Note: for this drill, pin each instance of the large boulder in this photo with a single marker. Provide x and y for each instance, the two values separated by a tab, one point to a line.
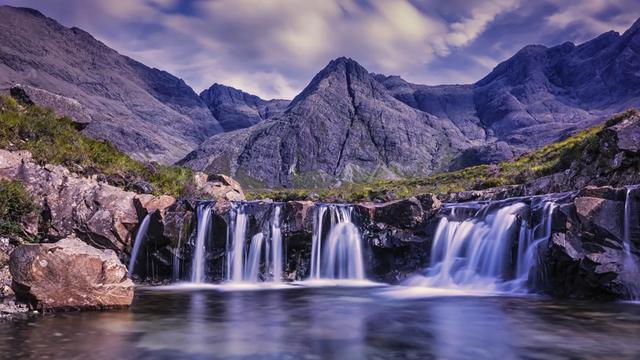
69	274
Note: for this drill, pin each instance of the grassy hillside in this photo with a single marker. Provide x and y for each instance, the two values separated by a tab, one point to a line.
55	140
547	160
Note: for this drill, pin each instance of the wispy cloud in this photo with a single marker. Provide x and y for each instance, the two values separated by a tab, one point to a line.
273	48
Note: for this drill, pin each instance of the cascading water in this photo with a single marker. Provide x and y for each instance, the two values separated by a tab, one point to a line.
198	262
140	236
253	260
276	245
488	246
236	237
338	254
265	252
630	264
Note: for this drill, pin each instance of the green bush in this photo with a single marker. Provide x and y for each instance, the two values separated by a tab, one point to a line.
15	204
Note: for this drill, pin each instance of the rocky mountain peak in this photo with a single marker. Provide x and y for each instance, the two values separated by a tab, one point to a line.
236	109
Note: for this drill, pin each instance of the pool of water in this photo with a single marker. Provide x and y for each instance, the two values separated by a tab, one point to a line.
330	323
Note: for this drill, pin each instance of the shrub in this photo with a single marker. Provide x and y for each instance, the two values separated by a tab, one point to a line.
15	204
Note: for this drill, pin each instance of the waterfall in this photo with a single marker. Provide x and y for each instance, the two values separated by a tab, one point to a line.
488	246
276	245
236	243
175	264
198	263
630	263
316	242
338	254
140	236
253	261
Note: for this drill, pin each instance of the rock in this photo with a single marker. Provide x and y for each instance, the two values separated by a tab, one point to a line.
585	257
605	214
152	203
297	219
218	187
10	309
628	135
69	274
399	234
62	106
100	214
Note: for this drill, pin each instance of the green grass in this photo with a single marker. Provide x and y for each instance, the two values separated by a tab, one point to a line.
55	140
15	204
547	160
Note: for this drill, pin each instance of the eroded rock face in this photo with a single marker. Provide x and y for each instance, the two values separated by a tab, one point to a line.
586	256
69	274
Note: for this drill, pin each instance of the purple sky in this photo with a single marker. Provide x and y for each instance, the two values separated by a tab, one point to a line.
272	48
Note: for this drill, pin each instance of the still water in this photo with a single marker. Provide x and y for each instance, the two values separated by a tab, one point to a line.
330	323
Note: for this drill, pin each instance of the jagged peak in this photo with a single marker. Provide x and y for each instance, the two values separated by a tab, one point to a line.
339	65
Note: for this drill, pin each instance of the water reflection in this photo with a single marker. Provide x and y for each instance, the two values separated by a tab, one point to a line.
330	323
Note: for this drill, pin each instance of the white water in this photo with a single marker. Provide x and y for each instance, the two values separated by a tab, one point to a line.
236	244
338	255
253	261
630	264
476	253
175	264
276	245
198	262
140	236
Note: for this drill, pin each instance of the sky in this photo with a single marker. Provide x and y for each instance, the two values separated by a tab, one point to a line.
272	48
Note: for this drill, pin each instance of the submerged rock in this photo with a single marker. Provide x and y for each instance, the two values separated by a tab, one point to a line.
69	274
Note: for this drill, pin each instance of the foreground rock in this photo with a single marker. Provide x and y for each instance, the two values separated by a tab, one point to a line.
586	256
100	214
69	274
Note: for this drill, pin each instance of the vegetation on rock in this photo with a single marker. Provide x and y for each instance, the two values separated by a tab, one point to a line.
549	159
15	204
55	140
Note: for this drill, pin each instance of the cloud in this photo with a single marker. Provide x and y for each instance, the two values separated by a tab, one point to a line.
273	48
593	17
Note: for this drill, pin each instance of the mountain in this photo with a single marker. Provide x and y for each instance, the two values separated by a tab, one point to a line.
344	125
145	112
236	109
537	96
350	125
